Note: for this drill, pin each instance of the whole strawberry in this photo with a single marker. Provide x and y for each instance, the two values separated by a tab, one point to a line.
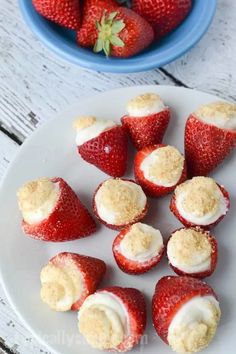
163	15
118	31
64	12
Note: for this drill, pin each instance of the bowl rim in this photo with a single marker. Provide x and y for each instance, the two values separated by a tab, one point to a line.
87	60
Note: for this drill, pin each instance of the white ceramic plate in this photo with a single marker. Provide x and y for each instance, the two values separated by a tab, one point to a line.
51	152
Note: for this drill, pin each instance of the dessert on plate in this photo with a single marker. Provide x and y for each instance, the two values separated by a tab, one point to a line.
120	317
68	279
159	169
147	120
102	143
200	201
192	251
119	202
185	313
210	135
52	211
138	248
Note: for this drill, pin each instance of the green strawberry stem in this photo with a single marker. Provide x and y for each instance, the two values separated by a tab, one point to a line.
108	33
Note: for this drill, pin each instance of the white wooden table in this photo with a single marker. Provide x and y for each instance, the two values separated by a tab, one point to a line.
35	85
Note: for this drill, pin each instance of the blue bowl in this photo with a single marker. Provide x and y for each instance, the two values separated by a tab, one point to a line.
63	43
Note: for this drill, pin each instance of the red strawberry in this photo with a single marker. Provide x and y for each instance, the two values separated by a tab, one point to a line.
69	219
131	266
148	130
117	31
163	15
64	12
89	270
108	151
123	202
148	186
187	223
135	312
206	146
188	243
170	295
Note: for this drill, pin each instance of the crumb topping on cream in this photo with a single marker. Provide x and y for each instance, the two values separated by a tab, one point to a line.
137	241
106	333
163	166
37	199
225	109
219	114
61	287
89	127
201	195
110	316
189	248
194	325
141	243
142	105
125	200
84	122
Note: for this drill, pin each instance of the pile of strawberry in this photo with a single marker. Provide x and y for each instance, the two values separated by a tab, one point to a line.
118	31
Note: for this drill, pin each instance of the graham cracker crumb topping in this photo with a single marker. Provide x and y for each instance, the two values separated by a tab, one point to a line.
141	101
167	165
196	336
225	109
34	194
122	198
61	286
201	196
190	247
106	334
84	122
137	241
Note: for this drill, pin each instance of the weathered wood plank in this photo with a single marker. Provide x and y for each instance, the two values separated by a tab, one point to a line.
14	338
211	65
7	152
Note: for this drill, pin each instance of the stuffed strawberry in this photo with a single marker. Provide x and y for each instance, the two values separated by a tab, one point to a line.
102	143
113	319
138	248
52	211
200	202
163	15
68	279
147	120
159	168
210	135
185	313
63	12
118	203
117	31
192	251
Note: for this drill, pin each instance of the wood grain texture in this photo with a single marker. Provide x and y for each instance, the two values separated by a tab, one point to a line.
211	65
35	84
